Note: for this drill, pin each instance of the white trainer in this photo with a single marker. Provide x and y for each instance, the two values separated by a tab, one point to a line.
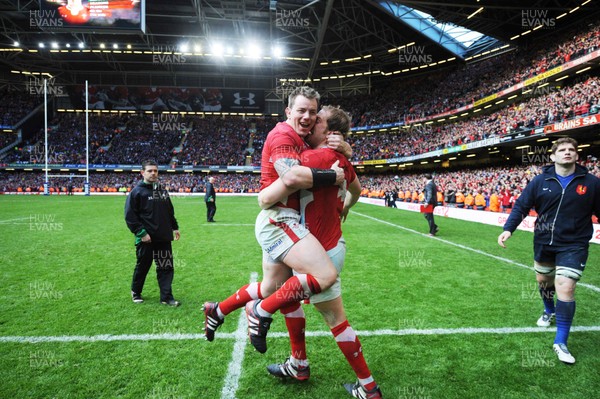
545	319
563	353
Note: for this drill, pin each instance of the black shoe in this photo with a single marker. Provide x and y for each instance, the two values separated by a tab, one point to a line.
257	327
287	370
171	302
136	298
436	229
357	391
212	321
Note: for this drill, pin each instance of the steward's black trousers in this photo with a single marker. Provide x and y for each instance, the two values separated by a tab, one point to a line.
162	255
211	209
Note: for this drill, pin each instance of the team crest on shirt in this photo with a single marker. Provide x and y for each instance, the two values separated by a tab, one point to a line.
581	189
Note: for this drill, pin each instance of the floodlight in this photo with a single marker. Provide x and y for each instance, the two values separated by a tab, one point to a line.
217	49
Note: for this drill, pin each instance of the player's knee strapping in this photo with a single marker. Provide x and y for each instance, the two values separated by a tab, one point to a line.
569	272
545	270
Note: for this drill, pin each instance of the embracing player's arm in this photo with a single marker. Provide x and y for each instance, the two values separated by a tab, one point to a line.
337	143
352	196
297	177
274	193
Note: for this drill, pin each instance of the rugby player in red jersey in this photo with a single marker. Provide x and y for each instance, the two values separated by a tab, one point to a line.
321	210
286	243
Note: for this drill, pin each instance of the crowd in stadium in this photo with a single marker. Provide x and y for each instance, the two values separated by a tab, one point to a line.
7	139
66	139
505	181
128	138
216	141
226	141
448	90
24	182
21	103
553	106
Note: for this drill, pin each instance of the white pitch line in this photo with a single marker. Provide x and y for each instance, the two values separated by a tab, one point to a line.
217	224
12	221
234	370
477	251
236	336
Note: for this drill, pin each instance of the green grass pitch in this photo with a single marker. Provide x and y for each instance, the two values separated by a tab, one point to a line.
66	265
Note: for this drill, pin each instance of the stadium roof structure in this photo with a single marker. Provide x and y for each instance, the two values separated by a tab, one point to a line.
338	45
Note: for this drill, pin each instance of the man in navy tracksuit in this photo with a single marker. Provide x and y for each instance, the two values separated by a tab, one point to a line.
564	196
150	216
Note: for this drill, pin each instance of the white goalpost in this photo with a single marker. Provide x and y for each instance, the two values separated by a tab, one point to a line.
86	184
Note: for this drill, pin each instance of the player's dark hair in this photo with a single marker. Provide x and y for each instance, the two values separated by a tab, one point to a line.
149	162
428	176
563	140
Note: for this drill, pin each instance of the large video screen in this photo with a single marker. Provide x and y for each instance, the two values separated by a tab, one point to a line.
93	15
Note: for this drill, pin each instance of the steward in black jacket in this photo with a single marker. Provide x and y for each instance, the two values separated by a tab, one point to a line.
150	216
148	210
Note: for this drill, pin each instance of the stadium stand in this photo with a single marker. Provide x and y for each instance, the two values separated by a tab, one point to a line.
27	182
445	91
21	103
560	104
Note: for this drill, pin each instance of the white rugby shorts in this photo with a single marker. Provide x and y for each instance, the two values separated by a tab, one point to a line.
277	230
337	256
